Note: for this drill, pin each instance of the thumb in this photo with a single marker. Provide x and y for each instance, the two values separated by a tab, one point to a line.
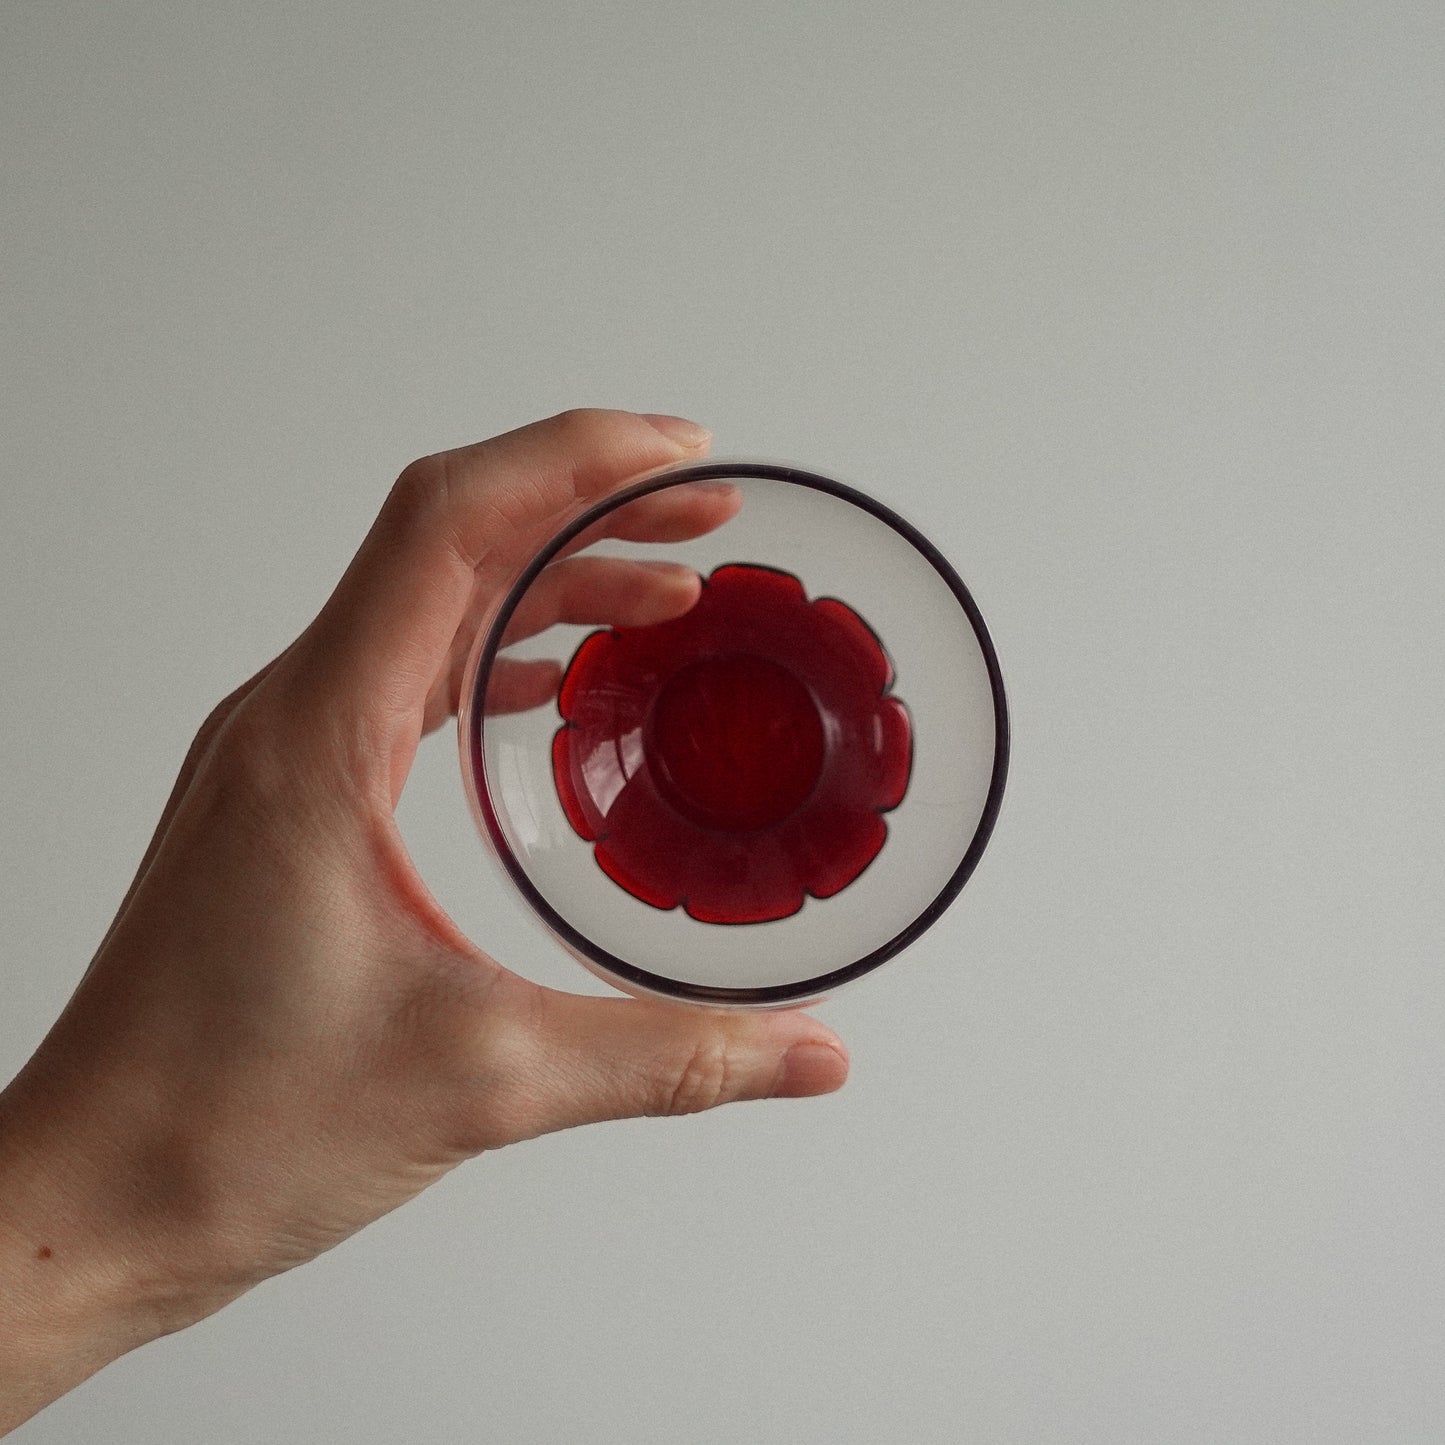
597	1058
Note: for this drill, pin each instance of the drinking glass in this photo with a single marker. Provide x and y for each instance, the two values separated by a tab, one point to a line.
744	790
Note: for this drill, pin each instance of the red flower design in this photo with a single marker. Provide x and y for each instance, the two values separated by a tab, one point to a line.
737	758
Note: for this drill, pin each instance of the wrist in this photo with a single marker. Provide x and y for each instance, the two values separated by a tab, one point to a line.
83	1271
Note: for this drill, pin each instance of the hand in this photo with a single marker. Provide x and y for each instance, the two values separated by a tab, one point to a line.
283	1036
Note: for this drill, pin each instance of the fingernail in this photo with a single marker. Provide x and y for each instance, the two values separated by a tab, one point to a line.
809	1069
678	429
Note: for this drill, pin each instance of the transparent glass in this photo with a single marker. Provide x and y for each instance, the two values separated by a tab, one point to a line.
749	794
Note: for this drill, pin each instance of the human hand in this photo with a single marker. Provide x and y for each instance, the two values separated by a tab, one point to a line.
283	1036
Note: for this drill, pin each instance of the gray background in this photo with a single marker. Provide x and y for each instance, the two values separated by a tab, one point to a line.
1137	308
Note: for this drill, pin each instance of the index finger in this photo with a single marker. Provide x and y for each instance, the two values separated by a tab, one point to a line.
386	632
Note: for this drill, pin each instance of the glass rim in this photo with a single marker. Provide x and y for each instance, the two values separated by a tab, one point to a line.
608	965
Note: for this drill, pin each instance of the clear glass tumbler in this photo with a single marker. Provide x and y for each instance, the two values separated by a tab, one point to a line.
745	790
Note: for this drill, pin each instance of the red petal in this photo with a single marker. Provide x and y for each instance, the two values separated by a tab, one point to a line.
848	632
646	848
893	748
645	886
751	880
764	587
841	845
568	793
588	669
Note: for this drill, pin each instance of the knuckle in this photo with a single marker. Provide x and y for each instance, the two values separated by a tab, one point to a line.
703	1080
583	421
419	489
492	1068
245	762
204	742
593	436
219	716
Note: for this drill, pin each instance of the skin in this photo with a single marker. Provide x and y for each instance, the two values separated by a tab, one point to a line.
283	1036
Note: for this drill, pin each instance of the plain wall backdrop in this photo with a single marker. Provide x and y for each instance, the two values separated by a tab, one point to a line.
1138	309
